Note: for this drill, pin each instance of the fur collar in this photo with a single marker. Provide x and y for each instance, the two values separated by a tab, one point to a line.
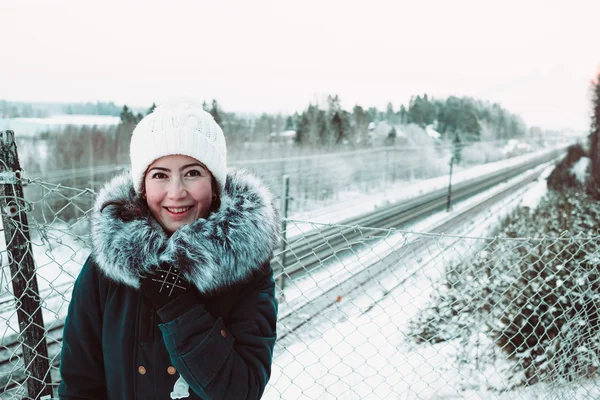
213	253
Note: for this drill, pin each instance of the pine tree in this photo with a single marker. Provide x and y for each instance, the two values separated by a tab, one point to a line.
390	115
373	114
338	126
307	130
151	109
127	116
323	130
403	115
289	123
216	112
429	111
301	137
361	125
421	111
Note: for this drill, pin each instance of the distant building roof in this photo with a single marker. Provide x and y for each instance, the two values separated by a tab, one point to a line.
284	134
432	132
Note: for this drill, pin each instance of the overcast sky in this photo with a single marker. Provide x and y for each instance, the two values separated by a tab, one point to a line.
535	58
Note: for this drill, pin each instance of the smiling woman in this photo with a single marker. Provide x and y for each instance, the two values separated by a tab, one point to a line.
177	298
179	190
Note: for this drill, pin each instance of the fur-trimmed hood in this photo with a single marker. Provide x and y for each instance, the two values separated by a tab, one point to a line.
213	253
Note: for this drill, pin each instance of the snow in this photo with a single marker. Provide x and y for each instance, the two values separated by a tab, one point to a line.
285	134
34	126
320	281
515	147
432	132
579	169
73	120
58	259
323	279
537	191
355	203
359	349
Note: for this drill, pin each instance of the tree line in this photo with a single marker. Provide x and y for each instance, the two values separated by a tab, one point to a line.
318	126
462	119
12	109
327	124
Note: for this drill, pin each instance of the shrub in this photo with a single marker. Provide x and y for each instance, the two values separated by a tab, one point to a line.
538	299
562	178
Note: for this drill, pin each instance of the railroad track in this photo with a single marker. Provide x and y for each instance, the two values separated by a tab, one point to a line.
316	248
305	310
311	249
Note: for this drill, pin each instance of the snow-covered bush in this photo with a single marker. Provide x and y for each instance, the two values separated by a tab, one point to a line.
535	290
478	153
547	319
454	308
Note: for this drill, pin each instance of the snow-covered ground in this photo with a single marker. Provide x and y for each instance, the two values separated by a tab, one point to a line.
358	348
321	280
355	203
34	126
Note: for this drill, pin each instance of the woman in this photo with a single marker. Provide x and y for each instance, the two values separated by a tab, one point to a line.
178	290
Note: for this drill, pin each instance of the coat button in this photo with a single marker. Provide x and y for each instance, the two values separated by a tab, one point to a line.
142	370
223	333
171	370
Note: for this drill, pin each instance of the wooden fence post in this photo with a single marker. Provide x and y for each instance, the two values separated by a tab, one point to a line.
285	200
22	270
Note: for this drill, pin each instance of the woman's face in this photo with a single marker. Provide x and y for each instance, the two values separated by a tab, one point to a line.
178	191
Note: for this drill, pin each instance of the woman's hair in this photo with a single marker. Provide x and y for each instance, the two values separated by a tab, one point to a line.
216	204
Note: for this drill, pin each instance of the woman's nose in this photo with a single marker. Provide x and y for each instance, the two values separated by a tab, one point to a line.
176	189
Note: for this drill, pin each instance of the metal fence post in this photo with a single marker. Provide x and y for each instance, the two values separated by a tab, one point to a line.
285	198
22	269
449	202
386	176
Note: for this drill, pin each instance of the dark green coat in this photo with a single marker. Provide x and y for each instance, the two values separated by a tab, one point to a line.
220	339
222	346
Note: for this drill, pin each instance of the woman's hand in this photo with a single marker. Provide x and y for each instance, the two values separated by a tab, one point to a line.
163	285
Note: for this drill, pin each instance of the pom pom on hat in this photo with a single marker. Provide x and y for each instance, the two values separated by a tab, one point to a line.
178	128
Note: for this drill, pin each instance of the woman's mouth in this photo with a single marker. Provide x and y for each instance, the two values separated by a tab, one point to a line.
178	211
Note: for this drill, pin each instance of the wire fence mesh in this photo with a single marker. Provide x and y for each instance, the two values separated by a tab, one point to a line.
58	249
393	314
366	312
322	179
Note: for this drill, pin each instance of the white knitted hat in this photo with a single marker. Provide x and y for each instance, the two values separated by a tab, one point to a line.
178	128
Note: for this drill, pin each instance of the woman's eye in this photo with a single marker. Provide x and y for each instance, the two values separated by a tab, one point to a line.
159	175
194	172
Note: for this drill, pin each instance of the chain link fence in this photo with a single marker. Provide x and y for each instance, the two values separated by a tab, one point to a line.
392	314
365	312
322	180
